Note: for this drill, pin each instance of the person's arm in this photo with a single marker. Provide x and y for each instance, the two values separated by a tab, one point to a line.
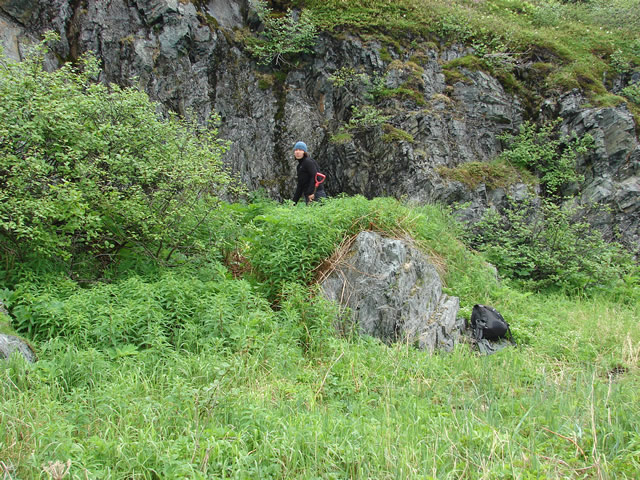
299	187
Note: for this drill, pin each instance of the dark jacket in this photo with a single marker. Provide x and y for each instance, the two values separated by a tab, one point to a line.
306	170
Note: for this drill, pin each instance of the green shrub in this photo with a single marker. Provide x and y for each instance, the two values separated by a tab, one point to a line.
550	155
178	309
548	247
283	36
286	244
632	92
347	77
90	169
363	118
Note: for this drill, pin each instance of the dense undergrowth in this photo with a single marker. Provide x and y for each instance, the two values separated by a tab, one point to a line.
208	370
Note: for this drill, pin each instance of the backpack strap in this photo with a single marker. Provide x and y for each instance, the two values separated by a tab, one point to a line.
510	335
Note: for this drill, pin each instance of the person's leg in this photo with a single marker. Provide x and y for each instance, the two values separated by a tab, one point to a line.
320	194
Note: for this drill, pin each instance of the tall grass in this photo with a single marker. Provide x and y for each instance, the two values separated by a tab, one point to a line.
360	410
202	378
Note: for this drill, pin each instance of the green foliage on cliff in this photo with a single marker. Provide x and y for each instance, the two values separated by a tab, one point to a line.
544	244
579	44
282	37
495	174
632	92
547	246
547	153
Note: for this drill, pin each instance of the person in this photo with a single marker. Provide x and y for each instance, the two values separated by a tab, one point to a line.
306	170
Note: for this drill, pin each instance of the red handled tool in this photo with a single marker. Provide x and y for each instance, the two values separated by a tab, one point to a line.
319	179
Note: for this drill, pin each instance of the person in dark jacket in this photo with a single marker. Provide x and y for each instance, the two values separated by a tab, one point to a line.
306	170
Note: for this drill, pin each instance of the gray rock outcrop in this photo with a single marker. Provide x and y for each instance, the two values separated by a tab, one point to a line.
614	183
394	293
10	344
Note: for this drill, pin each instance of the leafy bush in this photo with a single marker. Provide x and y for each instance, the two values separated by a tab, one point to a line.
283	36
349	78
547	246
87	168
632	92
548	154
286	244
362	119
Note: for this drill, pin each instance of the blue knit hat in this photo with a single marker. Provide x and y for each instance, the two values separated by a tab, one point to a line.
300	146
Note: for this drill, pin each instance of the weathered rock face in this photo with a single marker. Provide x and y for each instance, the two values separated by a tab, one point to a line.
10	344
611	170
394	293
186	56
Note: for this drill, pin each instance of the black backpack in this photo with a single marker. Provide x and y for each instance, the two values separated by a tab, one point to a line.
488	323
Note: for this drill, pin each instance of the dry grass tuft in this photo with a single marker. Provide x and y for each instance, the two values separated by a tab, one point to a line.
57	470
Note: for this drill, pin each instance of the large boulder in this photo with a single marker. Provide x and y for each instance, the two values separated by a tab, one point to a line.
394	293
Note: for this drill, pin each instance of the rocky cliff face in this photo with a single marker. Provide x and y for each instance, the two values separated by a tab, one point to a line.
611	170
189	57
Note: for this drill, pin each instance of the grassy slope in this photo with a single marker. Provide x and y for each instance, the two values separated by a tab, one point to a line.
215	383
190	373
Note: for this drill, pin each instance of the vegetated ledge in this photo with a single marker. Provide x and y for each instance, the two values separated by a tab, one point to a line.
496	174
